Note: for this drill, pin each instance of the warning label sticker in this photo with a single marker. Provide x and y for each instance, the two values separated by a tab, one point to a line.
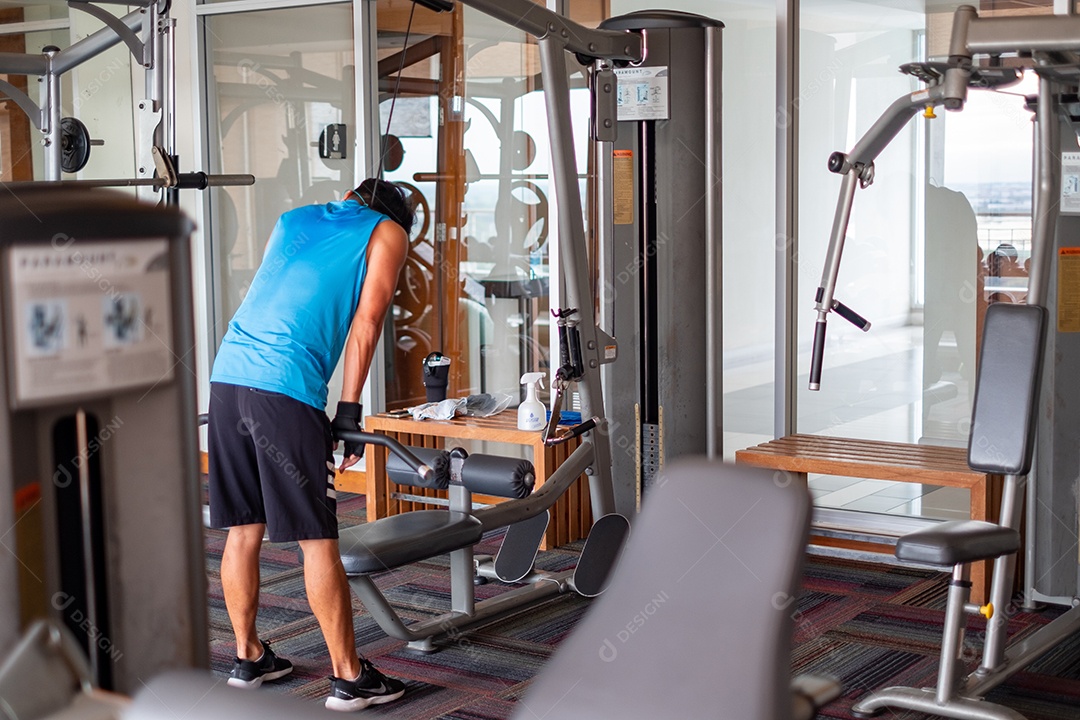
1068	290
623	187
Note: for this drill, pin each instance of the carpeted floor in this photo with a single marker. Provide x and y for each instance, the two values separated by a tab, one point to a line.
867	626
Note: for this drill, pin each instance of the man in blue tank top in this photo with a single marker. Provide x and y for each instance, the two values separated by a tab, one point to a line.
326	281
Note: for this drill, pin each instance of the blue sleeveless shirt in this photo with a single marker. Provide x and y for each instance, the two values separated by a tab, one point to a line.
289	331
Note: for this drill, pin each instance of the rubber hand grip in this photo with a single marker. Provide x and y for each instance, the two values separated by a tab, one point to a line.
851	316
818	355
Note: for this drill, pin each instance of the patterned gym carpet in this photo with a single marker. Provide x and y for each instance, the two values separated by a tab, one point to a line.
868	626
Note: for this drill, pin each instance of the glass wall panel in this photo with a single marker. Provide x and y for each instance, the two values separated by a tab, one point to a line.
942	232
849	62
749	219
275	80
470	121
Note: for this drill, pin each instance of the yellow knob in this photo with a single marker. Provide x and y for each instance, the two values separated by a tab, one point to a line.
928	113
987	610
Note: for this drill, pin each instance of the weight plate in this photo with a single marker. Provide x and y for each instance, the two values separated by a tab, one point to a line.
74	145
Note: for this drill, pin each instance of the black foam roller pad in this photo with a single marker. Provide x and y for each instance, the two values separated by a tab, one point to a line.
498	476
437	460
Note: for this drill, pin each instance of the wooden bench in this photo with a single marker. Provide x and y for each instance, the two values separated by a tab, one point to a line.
876	460
571	516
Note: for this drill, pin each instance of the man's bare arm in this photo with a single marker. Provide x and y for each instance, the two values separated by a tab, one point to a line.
385	257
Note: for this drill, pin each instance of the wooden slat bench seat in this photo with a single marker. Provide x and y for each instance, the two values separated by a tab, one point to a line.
878	460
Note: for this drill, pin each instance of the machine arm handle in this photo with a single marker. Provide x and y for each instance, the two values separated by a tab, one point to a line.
818	354
850	315
892	121
857	167
579	429
359	436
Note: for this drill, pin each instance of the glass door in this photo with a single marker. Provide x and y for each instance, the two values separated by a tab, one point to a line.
277	81
468	136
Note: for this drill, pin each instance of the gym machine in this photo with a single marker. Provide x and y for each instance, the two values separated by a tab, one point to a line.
95	311
660	251
1021	415
393	541
149	34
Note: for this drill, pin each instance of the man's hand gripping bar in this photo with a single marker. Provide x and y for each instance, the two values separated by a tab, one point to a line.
359	436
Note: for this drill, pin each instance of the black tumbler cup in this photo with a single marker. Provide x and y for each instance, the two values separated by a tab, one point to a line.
436	374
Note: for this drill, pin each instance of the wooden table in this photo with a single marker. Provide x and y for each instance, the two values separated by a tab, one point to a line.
571	516
873	459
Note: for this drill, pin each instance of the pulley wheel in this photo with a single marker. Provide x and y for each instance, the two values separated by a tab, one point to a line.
74	145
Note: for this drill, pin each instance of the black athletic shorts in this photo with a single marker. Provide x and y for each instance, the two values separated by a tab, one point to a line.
272	462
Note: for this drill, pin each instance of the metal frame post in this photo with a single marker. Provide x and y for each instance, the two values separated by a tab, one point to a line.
1047	189
714	233
462	593
572	253
786	239
50	117
1001	584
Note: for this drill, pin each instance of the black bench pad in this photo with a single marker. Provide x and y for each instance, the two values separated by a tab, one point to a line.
398	540
957	541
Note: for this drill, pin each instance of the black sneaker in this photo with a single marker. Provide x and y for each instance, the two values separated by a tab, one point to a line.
251	674
371	688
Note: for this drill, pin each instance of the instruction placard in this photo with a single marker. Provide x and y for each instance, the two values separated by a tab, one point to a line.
622	187
1068	290
88	318
1070	183
643	93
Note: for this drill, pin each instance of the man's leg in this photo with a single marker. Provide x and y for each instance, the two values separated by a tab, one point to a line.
330	599
240	583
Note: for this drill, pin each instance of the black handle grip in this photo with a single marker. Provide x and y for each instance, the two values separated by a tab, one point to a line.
201	181
851	316
819	354
359	436
579	429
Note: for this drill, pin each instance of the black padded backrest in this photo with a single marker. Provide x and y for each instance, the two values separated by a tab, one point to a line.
697	620
1007	389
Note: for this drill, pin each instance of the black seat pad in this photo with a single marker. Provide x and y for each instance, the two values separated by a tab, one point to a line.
957	541
406	538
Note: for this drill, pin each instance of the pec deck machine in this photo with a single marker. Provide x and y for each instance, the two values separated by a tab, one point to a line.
1027	401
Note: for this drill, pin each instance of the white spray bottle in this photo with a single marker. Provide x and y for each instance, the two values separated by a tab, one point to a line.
532	415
